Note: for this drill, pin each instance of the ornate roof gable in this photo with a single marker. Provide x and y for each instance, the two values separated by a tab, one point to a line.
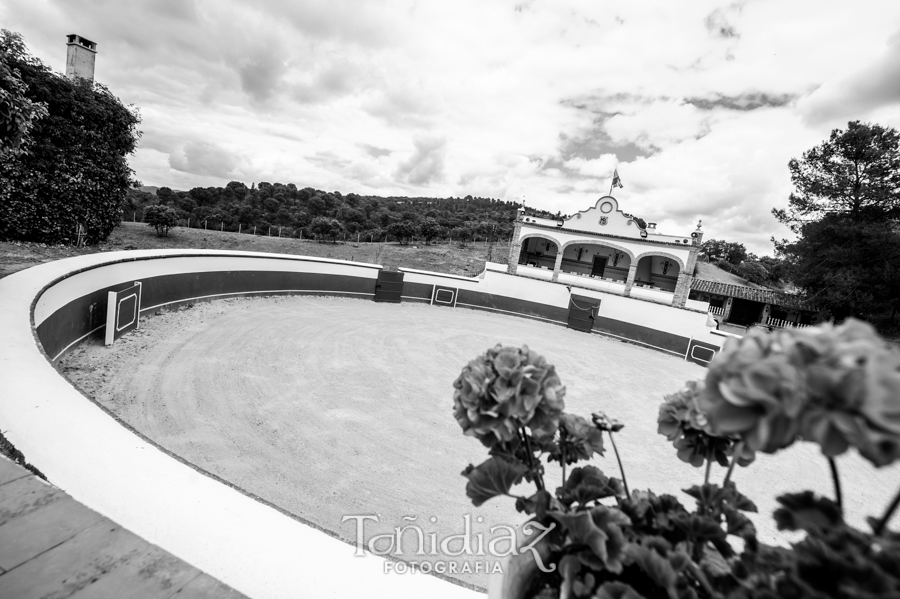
604	218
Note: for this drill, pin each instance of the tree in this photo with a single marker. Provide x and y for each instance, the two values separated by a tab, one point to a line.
403	231
75	171
160	217
323	227
18	113
855	172
429	229
848	268
719	250
463	235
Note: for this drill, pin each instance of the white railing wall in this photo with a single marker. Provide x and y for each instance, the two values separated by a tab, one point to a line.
781	323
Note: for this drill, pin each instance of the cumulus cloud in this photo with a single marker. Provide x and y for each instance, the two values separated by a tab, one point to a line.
205	159
426	165
698	104
857	94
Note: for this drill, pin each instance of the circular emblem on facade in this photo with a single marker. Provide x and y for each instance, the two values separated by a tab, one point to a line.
578	215
606	207
604	220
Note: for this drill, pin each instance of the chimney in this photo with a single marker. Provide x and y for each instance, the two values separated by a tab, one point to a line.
80	56
651	227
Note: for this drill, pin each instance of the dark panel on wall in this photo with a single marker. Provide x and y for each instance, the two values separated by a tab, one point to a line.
660	339
510	304
420	291
444	296
84	314
125	313
76	319
389	287
701	352
582	311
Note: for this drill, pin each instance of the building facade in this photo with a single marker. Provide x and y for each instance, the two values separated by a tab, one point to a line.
605	249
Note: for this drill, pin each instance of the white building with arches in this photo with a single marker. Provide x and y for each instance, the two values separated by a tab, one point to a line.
604	248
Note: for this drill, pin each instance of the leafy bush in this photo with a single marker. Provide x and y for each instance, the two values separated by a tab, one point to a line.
838	387
402	231
74	170
162	218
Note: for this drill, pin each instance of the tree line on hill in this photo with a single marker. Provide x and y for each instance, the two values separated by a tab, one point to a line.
326	216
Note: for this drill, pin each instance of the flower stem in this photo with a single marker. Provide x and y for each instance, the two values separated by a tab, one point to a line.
879	528
538	479
562	451
621	468
738	449
708	468
837	484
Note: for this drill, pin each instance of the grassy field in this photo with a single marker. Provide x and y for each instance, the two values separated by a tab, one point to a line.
446	258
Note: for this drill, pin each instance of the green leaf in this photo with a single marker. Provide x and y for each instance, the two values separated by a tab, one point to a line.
656	567
738	524
806	511
539	504
617	590
492	477
588	484
599	529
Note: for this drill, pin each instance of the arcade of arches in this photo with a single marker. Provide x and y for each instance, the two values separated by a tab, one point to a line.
600	261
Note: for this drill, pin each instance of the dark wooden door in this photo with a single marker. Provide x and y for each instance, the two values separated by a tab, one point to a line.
582	311
389	286
599	266
744	312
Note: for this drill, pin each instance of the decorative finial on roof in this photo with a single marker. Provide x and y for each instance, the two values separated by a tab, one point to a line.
699	222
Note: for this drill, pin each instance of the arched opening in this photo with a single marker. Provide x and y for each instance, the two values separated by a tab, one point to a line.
657	272
538	252
596	260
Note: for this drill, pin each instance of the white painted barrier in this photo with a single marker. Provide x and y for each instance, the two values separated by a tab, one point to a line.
246	544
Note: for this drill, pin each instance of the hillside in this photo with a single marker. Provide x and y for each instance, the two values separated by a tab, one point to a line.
445	257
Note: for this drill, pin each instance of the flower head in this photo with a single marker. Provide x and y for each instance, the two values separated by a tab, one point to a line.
838	386
756	388
687	427
505	389
606	423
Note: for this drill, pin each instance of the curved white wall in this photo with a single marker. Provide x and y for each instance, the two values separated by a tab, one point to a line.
252	547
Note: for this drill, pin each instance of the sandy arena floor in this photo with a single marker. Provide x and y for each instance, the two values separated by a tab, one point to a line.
330	407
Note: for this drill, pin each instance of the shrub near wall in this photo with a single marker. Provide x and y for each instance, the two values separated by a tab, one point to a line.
75	169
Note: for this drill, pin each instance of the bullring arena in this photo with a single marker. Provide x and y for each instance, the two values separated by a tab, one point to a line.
265	398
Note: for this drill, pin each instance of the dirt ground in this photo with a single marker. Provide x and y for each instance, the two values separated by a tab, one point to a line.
333	407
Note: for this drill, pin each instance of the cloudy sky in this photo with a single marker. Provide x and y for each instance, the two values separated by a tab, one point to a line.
699	104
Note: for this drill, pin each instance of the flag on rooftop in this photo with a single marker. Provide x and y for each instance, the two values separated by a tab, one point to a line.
617	182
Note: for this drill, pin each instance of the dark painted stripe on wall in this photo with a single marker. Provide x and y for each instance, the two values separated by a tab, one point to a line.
417	290
76	319
660	339
85	314
511	304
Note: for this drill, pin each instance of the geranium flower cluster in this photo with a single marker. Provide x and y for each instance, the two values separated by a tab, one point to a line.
688	428
836	386
505	389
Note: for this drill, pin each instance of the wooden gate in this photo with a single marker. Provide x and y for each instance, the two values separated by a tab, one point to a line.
389	286
582	311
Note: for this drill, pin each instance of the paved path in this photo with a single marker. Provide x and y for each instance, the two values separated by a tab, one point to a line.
53	546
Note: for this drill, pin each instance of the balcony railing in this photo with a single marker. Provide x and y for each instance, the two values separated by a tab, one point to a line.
782	324
717	311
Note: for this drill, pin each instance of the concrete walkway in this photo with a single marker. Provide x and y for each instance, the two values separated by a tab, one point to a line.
53	546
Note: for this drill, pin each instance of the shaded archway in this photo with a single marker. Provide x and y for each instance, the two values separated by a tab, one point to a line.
658	271
595	259
538	251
